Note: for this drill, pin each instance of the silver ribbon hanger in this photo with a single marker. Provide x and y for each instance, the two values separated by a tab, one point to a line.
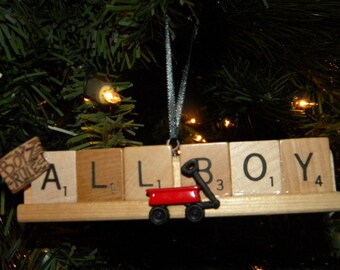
175	107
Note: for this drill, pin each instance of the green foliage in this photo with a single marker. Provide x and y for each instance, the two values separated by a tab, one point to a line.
333	226
47	51
15	253
267	56
49	48
323	88
243	92
104	129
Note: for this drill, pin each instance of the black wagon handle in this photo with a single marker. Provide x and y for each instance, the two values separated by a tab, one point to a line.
191	169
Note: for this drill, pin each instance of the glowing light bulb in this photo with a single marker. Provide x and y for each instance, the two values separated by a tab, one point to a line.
302	103
227	123
299	105
192	121
199	138
87	100
101	92
112	97
108	95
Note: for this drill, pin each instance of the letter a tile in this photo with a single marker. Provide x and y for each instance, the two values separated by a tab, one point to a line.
58	184
306	165
255	168
100	174
213	163
146	167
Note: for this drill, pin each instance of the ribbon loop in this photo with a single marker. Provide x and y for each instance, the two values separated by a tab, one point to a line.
175	106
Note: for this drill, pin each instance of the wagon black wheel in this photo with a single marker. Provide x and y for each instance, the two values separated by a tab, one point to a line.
194	213
159	215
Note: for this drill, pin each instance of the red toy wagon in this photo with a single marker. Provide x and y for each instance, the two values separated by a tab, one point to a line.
173	196
160	198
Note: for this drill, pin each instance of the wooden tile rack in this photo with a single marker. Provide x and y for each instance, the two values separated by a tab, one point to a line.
136	210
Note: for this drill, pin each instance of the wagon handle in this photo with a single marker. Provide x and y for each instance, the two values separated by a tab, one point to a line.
191	169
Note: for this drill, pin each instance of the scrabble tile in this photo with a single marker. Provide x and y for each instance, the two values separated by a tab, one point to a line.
58	183
146	167
100	174
28	195
23	165
214	166
176	167
306	165
255	167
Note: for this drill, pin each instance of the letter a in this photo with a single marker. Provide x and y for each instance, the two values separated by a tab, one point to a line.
55	178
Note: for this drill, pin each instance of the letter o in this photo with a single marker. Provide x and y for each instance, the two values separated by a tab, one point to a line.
264	167
17	160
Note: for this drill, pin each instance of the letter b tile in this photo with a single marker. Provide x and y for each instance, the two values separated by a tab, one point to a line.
213	162
306	165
